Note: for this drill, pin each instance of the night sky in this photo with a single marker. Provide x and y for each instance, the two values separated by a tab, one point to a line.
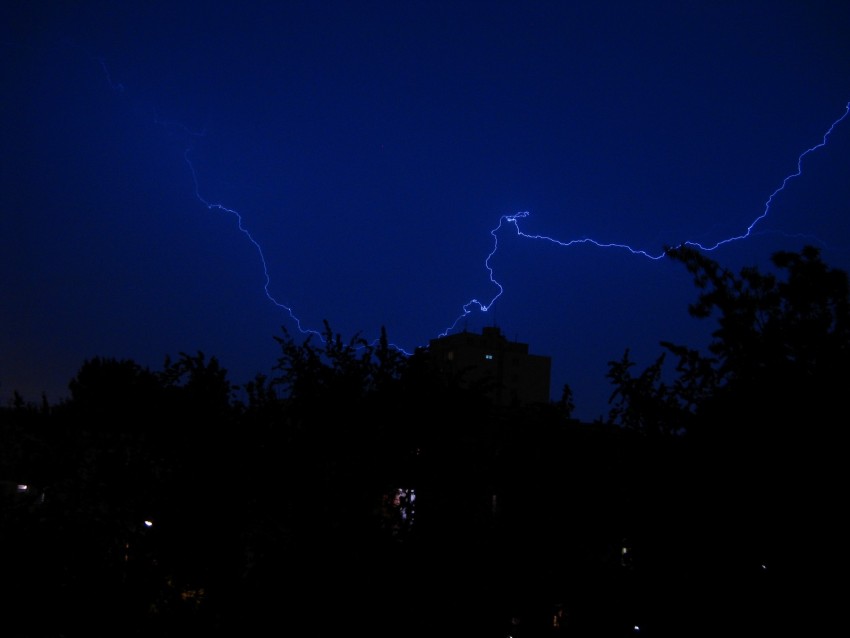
196	176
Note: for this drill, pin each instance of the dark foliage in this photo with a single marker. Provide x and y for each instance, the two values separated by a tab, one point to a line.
761	416
356	489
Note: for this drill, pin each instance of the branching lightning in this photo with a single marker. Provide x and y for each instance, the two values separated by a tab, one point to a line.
514	220
504	221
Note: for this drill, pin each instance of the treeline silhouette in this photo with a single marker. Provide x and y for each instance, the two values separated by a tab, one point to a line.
355	489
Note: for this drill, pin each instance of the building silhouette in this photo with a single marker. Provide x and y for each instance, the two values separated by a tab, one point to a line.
504	369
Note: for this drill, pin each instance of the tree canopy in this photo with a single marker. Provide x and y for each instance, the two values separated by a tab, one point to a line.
181	500
780	351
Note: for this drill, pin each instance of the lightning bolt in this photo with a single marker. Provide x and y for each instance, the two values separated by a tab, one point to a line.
514	220
241	226
504	221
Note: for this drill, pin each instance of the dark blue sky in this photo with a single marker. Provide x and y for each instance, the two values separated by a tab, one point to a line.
370	148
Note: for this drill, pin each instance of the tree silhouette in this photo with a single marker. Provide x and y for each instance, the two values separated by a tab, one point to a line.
762	414
781	348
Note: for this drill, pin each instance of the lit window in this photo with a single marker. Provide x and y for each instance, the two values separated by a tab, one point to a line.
489	357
